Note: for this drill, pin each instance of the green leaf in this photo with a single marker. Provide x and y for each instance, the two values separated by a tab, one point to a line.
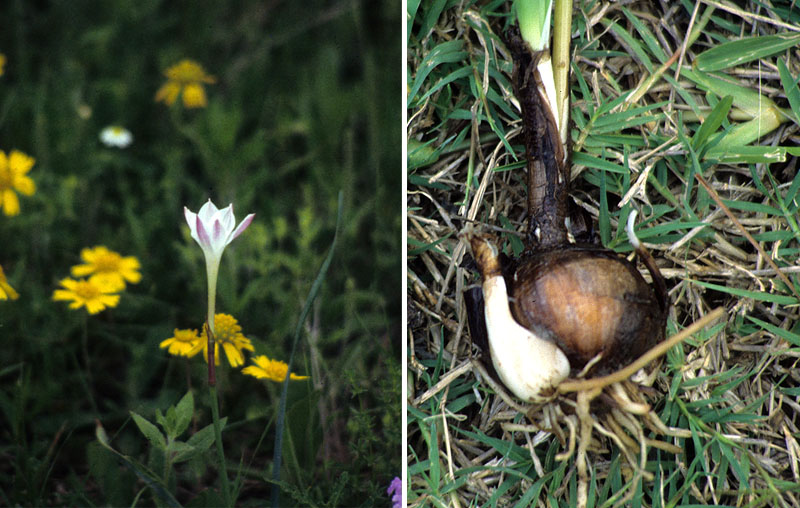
534	22
733	53
180	451
150	431
747	99
590	161
712	122
749	206
790	337
422	154
144	474
183	413
422	247
446	52
630	43
755	295
203	438
164	422
312	294
647	36
463	72
633	117
789	84
731	154
753	130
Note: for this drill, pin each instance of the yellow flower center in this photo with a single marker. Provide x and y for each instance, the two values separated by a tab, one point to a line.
107	262
276	370
226	328
188	336
87	290
187	71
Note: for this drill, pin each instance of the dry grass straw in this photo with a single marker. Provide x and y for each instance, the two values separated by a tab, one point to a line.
730	369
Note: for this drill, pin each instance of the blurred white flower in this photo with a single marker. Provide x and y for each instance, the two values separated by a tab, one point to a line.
117	136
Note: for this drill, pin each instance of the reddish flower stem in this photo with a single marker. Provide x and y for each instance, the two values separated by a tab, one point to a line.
212	371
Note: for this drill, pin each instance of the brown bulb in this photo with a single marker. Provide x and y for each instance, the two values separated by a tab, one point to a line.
591	301
561	308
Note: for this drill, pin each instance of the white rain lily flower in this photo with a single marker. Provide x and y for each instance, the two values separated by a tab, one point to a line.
117	136
213	229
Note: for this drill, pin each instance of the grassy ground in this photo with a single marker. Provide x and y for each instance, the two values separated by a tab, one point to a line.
303	107
661	102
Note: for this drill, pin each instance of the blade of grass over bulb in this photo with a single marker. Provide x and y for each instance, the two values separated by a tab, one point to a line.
312	294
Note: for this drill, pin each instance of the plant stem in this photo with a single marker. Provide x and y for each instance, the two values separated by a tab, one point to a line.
223	470
562	26
88	383
212	269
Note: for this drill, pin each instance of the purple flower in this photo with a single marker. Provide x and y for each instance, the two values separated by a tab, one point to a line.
396	491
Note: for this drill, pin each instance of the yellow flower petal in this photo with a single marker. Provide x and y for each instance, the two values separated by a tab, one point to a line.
107	268
194	96
113	281
24	185
235	357
274	370
62	294
6	291
10	203
81	270
19	163
168	93
83	293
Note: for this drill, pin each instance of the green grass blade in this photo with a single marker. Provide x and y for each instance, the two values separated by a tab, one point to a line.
712	122
755	295
742	51
279	426
793	338
147	476
789	84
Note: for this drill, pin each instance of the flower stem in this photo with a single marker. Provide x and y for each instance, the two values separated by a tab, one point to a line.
223	470
212	269
88	383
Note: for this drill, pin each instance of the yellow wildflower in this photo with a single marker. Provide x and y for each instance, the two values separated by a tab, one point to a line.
106	267
183	343
2	63
95	296
274	370
229	334
13	176
186	76
6	291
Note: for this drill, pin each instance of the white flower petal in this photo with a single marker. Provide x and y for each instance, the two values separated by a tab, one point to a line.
202	235
207	212
213	229
227	219
242	226
191	220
